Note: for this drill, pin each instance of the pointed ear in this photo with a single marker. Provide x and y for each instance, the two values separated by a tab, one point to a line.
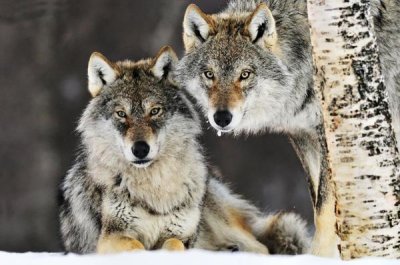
260	27
164	62
101	72
197	27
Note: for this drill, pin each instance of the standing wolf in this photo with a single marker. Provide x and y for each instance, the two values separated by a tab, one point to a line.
250	69
140	180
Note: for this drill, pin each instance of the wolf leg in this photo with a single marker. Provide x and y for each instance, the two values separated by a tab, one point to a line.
325	239
224	237
239	232
117	243
173	244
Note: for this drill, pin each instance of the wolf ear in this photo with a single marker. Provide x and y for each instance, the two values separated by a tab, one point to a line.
260	27
197	27
101	72
164	62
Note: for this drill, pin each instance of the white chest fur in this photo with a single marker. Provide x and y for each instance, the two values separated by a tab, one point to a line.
159	202
139	222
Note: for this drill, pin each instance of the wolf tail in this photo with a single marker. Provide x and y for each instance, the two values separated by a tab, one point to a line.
283	233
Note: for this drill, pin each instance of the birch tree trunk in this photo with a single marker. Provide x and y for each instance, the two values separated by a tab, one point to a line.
362	151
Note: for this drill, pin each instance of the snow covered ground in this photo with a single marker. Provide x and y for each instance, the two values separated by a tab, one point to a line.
193	257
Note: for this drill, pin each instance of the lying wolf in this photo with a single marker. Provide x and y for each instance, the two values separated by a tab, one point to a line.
250	70
140	180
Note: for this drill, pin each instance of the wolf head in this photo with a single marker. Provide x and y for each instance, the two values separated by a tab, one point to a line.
235	67
137	114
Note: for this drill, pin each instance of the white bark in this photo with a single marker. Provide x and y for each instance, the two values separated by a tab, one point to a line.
361	144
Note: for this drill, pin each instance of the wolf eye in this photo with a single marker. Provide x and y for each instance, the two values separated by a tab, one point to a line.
121	114
209	74
155	111
244	75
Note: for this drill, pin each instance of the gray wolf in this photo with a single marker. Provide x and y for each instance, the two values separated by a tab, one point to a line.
140	179
250	70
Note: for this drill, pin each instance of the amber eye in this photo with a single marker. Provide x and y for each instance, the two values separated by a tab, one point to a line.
209	74
121	114
155	111
244	75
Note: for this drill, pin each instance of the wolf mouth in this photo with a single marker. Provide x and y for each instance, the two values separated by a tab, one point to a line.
220	131
142	162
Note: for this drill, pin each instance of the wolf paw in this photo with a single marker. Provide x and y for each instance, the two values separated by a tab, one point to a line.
173	244
116	244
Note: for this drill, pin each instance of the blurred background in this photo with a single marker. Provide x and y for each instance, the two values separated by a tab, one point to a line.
44	49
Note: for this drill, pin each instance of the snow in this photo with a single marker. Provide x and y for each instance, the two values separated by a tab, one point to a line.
192	257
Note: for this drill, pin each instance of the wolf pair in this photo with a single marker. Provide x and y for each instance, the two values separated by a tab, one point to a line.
141	181
250	69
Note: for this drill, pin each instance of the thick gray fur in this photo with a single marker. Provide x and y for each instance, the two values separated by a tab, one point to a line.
106	193
279	95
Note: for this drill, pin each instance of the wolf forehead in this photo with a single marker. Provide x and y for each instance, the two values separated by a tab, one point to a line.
226	53
135	81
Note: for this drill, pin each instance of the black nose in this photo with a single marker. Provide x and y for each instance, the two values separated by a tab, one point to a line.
140	149
222	118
